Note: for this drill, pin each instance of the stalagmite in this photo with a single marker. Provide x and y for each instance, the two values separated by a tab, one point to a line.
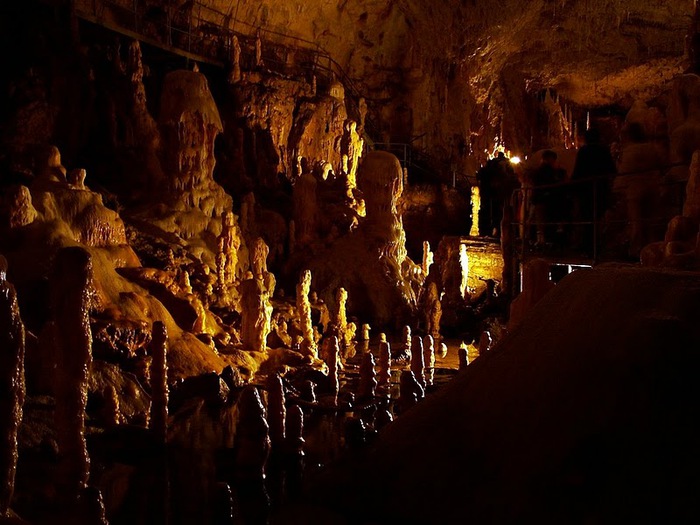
276	411
463	355
252	436
229	244
476	208
431	309
159	381
364	334
11	386
410	391
258	50
404	352
308	345
341	318
255	315
368	380
429	359
417	362
235	73
428	258
71	302
384	375
443	351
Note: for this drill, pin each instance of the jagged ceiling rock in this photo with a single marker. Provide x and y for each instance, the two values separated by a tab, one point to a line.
594	52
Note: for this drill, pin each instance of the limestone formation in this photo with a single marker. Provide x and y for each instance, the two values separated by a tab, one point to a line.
340	319
252	436
428	258
159	381
276	411
255	315
368	381
12	386
308	345
443	351
417	360
76	178
431	309
485	342
364	334
235	72
404	351
16	208
463	354
429	359
71	302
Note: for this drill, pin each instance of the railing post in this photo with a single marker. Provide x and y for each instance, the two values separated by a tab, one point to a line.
595	220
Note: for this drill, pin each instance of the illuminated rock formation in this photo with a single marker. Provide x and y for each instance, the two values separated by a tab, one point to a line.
295	430
12	343
410	392
333	362
303	304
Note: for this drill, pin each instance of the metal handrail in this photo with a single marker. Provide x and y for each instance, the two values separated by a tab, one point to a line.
216	46
522	195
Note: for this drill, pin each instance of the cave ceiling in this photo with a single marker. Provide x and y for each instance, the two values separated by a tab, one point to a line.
593	52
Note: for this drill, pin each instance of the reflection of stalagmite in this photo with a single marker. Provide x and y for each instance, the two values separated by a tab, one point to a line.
159	381
276	411
295	430
308	345
368	380
384	375
429	359
252	436
71	302
410	391
417	360
333	360
11	386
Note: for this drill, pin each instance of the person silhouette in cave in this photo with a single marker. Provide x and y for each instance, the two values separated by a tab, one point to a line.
591	187
496	182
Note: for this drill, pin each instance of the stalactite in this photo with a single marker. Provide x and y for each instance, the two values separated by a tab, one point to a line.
11	385
71	301
159	381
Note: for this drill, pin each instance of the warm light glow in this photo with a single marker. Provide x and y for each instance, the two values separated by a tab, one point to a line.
515	160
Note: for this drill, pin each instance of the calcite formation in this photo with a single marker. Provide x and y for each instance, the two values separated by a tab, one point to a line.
368	381
303	304
418	360
429	359
276	412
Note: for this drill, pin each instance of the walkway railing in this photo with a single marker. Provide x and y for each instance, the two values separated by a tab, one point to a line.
202	33
670	194
419	163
